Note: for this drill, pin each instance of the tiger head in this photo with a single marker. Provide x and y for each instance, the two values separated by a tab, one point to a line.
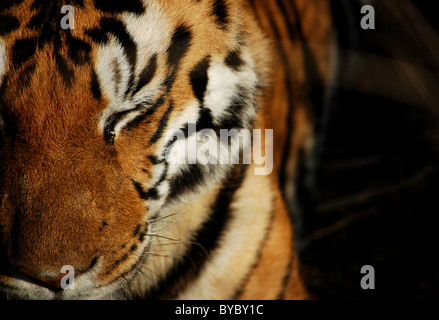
88	117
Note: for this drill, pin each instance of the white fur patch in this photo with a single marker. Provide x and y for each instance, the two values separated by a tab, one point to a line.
113	71
111	57
221	88
224	84
151	33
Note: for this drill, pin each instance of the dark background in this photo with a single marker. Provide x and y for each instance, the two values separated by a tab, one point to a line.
371	195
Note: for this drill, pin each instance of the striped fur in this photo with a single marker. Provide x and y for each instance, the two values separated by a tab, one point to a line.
88	118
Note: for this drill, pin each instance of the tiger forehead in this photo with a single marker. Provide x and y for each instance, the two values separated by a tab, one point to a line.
35	25
120	56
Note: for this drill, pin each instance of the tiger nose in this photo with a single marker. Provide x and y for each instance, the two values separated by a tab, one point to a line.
53	282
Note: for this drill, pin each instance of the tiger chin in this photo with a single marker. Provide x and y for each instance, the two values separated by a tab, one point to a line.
89	118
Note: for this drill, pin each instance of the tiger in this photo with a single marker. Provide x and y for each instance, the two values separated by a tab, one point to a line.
88	146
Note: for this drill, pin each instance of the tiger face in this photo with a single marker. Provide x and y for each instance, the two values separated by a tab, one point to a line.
88	117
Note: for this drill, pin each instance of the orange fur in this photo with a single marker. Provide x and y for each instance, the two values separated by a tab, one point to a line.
59	206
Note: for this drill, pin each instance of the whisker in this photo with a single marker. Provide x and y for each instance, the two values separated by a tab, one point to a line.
156	235
163	218
162	255
142	271
166	244
124	284
164	228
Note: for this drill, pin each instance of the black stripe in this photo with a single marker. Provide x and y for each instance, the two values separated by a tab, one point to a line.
150	110
45	12
205	120
77	3
6	4
233	60
163	176
293	28
145	195
64	70
78	50
97	35
169	81
199	78
162	125
189	179
94	86
258	255
25	76
3	85
207	241
154	160
147	74
118	6
10	125
220	11
287	276
180	44
8	23
23	50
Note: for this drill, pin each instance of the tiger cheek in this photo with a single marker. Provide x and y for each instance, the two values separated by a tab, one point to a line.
64	205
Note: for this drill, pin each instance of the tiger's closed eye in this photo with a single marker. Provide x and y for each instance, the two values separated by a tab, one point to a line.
118	121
